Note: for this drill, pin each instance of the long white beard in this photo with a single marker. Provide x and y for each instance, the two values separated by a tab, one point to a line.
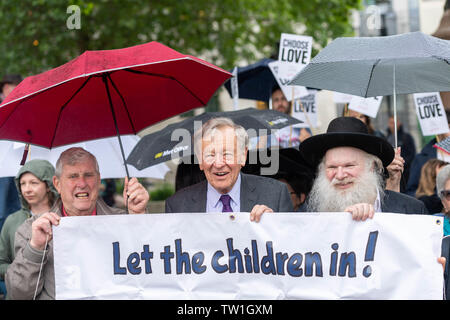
324	197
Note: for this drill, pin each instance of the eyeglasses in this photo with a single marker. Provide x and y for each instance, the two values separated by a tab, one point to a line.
446	194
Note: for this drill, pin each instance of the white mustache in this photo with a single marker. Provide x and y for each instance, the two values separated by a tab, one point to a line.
336	181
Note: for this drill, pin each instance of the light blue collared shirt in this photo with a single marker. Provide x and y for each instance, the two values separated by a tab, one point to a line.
213	203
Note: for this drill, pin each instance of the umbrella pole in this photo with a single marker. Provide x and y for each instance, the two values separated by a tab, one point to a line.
395	110
105	81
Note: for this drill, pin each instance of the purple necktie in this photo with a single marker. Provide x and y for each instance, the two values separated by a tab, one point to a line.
225	199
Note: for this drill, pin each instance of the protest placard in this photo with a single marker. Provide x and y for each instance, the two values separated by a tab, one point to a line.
339	97
294	54
367	106
282	81
295	51
222	256
431	113
309	103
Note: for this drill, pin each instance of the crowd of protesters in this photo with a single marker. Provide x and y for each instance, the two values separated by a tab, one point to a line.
352	167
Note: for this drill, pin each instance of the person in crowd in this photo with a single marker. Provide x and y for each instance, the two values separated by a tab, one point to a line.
405	141
289	136
426	191
77	180
221	147
350	164
8	83
37	195
366	119
108	190
427	152
394	171
298	184
9	198
443	191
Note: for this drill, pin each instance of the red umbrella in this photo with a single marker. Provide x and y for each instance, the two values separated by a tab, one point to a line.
106	93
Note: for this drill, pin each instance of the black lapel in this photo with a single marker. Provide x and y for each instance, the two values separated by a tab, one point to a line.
199	197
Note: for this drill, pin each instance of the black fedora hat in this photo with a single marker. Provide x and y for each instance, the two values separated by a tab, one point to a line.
346	132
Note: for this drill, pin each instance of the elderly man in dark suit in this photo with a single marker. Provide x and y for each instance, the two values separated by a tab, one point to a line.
221	147
350	164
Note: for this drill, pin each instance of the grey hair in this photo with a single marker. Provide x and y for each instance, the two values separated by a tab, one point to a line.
441	178
73	156
217	123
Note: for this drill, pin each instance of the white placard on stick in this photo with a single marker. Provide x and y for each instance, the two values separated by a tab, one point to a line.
294	54
367	106
299	91
431	113
339	97
309	103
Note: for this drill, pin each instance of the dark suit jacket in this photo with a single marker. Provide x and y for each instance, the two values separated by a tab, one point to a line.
254	190
397	202
394	202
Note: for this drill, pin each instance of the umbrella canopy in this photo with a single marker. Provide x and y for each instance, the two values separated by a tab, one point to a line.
105	150
255	81
159	146
379	66
105	93
364	66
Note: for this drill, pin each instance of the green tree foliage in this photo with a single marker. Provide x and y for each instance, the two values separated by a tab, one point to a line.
34	35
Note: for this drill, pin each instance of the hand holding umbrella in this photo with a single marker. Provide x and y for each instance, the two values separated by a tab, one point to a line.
395	170
136	195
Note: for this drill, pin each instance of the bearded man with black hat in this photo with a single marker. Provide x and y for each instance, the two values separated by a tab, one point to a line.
350	167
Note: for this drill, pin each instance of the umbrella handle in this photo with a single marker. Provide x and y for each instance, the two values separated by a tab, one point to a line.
25	154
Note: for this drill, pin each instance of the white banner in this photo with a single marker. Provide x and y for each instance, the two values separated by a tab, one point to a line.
431	113
213	256
367	106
